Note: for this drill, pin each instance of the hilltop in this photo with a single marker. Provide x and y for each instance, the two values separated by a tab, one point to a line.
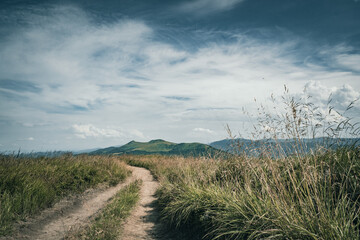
161	147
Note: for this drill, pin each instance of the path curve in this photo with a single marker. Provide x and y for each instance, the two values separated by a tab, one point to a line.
75	212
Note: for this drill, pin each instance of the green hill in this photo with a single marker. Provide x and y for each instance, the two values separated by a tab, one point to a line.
160	147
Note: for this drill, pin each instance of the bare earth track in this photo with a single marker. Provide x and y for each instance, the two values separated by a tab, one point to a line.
70	213
74	212
144	221
77	211
141	223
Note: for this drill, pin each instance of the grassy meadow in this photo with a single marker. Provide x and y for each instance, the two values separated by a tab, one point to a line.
28	185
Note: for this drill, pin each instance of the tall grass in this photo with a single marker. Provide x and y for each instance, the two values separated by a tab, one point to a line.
28	185
270	195
312	197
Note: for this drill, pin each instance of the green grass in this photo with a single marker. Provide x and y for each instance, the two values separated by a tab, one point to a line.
28	185
315	196
107	225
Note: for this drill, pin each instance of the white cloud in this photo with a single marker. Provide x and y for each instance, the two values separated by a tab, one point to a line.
205	130
89	130
85	131
344	96
318	92
138	134
27	124
117	74
350	61
26	139
330	104
339	97
208	6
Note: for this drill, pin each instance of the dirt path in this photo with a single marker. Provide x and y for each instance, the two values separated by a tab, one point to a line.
141	223
70	213
75	212
144	221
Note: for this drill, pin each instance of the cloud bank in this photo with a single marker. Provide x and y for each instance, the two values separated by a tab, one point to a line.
72	76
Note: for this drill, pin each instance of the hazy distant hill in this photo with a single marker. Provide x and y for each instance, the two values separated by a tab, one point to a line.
38	154
286	146
161	147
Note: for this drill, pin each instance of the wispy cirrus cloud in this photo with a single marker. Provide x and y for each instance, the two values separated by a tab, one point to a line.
349	61
203	7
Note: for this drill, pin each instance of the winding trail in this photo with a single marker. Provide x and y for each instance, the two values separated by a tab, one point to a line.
75	212
68	214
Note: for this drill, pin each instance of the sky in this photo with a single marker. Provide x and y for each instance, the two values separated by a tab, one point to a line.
88	74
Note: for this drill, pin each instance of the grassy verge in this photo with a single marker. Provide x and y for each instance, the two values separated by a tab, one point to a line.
314	196
107	225
28	185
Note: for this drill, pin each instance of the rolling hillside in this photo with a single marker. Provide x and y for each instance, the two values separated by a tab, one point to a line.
285	146
160	147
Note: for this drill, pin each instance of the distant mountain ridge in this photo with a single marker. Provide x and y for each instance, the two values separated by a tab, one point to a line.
287	146
161	147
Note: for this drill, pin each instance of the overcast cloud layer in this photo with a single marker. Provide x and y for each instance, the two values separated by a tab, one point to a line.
72	77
